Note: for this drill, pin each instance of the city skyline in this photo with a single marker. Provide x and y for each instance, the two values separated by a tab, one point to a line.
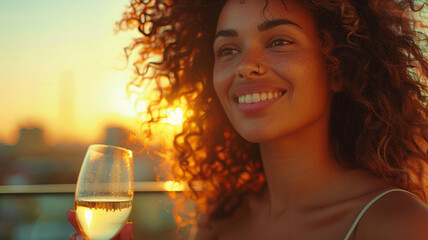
59	69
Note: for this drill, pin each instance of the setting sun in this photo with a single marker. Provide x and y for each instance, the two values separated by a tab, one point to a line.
65	75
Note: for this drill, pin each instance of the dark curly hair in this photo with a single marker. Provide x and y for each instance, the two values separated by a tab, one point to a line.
374	50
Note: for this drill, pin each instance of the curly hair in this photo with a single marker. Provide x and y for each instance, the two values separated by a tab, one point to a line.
374	50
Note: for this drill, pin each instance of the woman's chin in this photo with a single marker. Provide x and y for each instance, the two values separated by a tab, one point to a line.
256	137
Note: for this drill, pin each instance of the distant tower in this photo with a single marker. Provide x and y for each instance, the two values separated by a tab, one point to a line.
31	141
66	103
116	136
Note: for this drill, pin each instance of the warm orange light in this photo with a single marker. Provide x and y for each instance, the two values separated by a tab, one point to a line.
88	217
173	186
174	116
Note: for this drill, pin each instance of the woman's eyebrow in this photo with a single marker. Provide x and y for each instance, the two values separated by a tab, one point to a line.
273	23
226	33
266	25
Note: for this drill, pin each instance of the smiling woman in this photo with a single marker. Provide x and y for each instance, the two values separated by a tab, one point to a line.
279	57
307	119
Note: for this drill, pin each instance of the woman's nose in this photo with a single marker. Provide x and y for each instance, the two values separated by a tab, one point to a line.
249	67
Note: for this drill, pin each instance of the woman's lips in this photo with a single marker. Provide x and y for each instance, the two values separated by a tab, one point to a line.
252	99
258	97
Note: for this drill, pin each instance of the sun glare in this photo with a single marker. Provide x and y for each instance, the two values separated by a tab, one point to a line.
174	116
172	186
88	217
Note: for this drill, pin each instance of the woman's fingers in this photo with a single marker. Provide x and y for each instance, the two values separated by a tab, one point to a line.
71	216
75	236
126	233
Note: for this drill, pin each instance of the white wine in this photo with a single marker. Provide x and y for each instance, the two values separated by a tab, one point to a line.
102	218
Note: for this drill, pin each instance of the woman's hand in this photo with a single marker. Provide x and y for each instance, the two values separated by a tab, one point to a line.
125	234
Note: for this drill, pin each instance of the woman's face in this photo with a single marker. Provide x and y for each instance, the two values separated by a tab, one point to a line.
269	72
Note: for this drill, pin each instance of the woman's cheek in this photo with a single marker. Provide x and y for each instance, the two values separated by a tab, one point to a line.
222	80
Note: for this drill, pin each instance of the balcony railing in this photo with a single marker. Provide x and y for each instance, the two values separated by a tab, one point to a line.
33	212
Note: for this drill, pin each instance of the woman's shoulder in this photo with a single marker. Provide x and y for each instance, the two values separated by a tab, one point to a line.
396	215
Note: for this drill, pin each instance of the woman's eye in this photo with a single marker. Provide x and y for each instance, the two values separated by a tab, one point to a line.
279	42
225	51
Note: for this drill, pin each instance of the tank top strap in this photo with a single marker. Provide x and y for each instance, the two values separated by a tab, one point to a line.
368	205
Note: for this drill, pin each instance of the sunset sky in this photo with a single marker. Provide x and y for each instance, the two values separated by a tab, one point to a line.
57	69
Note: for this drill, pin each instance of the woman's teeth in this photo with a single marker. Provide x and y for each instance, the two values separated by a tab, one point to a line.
257	97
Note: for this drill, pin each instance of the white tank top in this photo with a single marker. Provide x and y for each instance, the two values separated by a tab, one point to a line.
368	205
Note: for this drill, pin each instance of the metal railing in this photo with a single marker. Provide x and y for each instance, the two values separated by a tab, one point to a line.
33	212
70	188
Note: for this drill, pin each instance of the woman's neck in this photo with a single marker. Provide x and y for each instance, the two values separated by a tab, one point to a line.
299	169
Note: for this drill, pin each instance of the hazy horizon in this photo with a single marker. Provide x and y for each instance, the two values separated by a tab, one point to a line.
57	69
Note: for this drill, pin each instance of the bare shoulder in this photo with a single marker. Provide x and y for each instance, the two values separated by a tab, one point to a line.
397	215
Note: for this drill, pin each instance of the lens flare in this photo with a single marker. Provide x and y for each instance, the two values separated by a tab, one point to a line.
88	217
172	186
174	116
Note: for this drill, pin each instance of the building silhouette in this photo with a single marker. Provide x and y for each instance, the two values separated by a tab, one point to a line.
30	142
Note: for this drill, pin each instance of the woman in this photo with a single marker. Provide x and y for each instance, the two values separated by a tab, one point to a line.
308	119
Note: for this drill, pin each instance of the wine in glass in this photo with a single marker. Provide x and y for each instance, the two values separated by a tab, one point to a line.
104	191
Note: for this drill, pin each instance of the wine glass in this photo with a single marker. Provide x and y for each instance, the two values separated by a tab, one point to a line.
104	191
